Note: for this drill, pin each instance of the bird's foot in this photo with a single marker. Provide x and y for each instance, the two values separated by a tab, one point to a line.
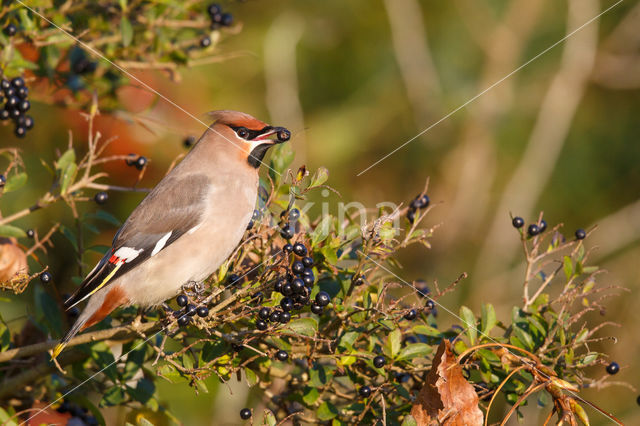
193	289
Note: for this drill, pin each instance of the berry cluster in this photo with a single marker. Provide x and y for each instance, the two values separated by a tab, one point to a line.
79	415
288	229
295	285
190	310
16	104
538	228
218	18
420	202
137	161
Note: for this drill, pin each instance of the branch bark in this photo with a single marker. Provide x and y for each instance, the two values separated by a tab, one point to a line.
123	333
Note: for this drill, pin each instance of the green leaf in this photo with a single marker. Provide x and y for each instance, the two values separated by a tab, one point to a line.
326	411
414	350
66	179
394	341
310	395
319	177
589	358
126	30
5	336
470	322
427	330
568	267
524	337
322	230
47	311
281	158
305	326
11	231
268	418
488	319
409	421
68	157
6	418
105	216
15	182
112	396
252	377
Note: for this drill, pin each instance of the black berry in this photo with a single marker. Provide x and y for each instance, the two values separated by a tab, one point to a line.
287	248
4	114
543	226
205	42
430	304
28	122
10	30
182	300
202	311
287	232
307	261
20	131
581	234
285	317
212	10
189	141
3	180
190	309
5	84
31	233
613	368
420	202
141	162
308	279
17	82
264	313
365	391
517	222
277	287
286	304
226	19
101	197
402	377
233	279
358	280
297	267
316	309
287	289
236	347
299	249
184	320
45	277
245	413
411	315
12	101
258	297
261	325
275	316
282	355
323	298
533	230
379	361
294	215
23	92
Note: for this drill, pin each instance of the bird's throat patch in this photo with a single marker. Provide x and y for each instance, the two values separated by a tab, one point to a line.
257	154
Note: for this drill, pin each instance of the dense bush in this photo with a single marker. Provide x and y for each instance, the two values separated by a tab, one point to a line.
309	310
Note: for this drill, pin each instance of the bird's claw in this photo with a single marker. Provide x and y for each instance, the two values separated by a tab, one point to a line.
193	289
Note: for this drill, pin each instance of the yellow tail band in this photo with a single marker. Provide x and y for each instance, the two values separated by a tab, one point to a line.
56	351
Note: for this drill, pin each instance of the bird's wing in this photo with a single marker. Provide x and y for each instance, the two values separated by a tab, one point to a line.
174	207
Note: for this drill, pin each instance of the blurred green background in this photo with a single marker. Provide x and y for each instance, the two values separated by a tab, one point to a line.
357	79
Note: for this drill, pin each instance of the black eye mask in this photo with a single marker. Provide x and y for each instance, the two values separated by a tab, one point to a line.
249	134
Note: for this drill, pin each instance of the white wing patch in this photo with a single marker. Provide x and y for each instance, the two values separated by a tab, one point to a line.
194	229
127	253
161	243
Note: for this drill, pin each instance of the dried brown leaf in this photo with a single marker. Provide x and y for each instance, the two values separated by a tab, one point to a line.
447	398
13	260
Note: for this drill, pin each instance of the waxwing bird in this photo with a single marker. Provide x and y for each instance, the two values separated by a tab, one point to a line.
186	227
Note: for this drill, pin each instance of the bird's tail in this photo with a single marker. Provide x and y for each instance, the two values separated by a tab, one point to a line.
77	327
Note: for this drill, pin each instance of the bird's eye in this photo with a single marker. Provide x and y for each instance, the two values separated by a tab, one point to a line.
242	132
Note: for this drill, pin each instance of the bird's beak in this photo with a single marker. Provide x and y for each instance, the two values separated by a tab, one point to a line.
281	135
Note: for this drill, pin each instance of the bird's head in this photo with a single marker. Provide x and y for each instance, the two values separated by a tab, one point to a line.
248	136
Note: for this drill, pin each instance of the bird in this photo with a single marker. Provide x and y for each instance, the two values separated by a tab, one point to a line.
186	227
